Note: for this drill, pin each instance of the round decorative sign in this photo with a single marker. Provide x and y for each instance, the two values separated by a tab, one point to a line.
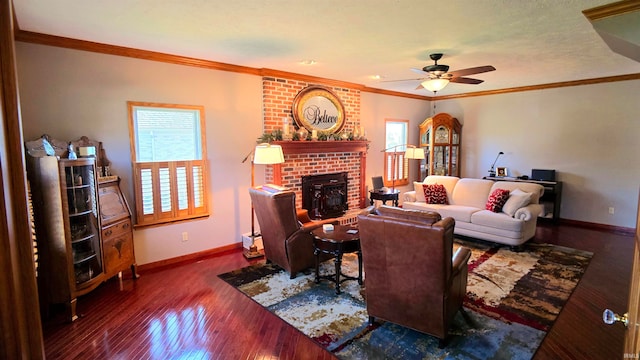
318	108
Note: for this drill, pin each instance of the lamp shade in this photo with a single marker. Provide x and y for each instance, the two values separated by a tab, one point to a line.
266	154
414	153
435	84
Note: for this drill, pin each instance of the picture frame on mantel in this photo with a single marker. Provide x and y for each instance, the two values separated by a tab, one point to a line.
320	109
501	171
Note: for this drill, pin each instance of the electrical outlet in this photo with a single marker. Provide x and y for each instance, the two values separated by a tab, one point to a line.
185	236
612	210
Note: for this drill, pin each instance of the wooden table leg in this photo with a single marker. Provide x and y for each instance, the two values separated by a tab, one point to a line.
338	262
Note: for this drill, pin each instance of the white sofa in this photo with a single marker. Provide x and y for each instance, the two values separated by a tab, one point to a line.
467	198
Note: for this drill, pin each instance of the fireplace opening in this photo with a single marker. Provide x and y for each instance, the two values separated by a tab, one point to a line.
325	196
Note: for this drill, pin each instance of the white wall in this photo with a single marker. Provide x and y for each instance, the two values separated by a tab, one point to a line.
374	109
68	93
588	133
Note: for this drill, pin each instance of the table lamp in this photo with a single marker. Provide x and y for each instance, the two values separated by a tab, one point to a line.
492	171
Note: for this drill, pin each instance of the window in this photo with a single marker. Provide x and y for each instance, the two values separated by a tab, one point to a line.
396	171
169	155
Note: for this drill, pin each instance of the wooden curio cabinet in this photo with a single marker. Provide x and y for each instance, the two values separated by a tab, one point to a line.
440	136
67	226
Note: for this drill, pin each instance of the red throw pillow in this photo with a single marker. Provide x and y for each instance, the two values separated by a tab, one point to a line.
497	199
435	194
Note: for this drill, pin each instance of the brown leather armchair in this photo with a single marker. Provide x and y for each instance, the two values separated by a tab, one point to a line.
287	241
412	277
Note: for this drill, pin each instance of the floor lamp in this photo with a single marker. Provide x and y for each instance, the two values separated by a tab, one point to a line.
263	154
414	153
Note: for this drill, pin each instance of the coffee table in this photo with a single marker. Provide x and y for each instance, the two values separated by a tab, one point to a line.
337	242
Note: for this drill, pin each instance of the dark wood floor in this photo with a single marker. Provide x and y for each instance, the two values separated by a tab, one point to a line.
186	312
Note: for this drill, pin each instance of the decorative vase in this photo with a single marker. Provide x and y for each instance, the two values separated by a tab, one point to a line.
303	133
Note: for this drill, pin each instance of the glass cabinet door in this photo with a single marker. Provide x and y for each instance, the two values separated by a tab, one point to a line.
440	160
454	160
81	190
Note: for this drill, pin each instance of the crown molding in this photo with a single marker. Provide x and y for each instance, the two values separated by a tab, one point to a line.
70	43
555	85
613	9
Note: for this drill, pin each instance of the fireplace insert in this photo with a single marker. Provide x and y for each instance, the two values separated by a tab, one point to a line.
325	195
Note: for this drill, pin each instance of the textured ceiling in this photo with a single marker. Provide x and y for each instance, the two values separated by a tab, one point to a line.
529	42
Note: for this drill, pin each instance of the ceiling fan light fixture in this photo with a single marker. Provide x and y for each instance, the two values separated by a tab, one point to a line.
435	84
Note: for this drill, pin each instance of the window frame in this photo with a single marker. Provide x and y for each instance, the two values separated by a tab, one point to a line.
193	185
397	154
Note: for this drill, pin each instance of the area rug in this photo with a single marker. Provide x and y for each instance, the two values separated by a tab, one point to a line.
512	300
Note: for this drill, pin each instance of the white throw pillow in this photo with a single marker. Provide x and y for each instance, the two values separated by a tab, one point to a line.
517	199
417	186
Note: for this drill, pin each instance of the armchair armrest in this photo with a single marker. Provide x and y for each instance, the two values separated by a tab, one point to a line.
303	216
460	259
409	196
308	224
528	212
312	225
371	209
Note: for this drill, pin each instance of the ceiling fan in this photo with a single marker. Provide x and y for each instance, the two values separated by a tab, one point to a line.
438	75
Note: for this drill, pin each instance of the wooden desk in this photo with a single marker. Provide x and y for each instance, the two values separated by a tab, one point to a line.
337	242
384	196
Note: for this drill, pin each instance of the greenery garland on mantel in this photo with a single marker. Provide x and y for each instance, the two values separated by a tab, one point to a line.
277	135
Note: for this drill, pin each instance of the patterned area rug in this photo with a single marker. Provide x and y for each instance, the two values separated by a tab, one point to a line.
512	300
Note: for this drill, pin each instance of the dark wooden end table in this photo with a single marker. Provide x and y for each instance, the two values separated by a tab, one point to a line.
384	196
337	242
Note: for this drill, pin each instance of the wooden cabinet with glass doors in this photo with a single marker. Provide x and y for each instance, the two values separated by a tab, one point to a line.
440	137
67	224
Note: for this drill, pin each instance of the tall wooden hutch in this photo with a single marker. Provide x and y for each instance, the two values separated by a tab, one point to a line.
82	227
440	136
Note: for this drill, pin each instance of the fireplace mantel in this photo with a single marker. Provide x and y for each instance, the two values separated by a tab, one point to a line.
311	147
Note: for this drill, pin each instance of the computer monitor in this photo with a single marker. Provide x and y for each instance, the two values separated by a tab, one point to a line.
543	175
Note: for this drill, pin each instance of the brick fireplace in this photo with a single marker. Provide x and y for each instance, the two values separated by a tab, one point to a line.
303	158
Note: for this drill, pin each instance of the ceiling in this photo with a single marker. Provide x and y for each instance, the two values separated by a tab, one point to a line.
528	42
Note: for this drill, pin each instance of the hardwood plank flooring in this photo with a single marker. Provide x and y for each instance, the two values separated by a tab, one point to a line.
186	312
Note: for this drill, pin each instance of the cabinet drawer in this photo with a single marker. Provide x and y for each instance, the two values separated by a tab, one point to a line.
118	254
116	229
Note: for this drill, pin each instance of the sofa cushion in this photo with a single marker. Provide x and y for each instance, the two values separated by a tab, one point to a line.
496	220
517	199
535	189
496	200
472	192
449	183
435	194
457	212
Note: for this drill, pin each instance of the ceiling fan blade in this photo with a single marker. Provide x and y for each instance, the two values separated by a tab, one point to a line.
471	71
419	71
464	80
416	79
